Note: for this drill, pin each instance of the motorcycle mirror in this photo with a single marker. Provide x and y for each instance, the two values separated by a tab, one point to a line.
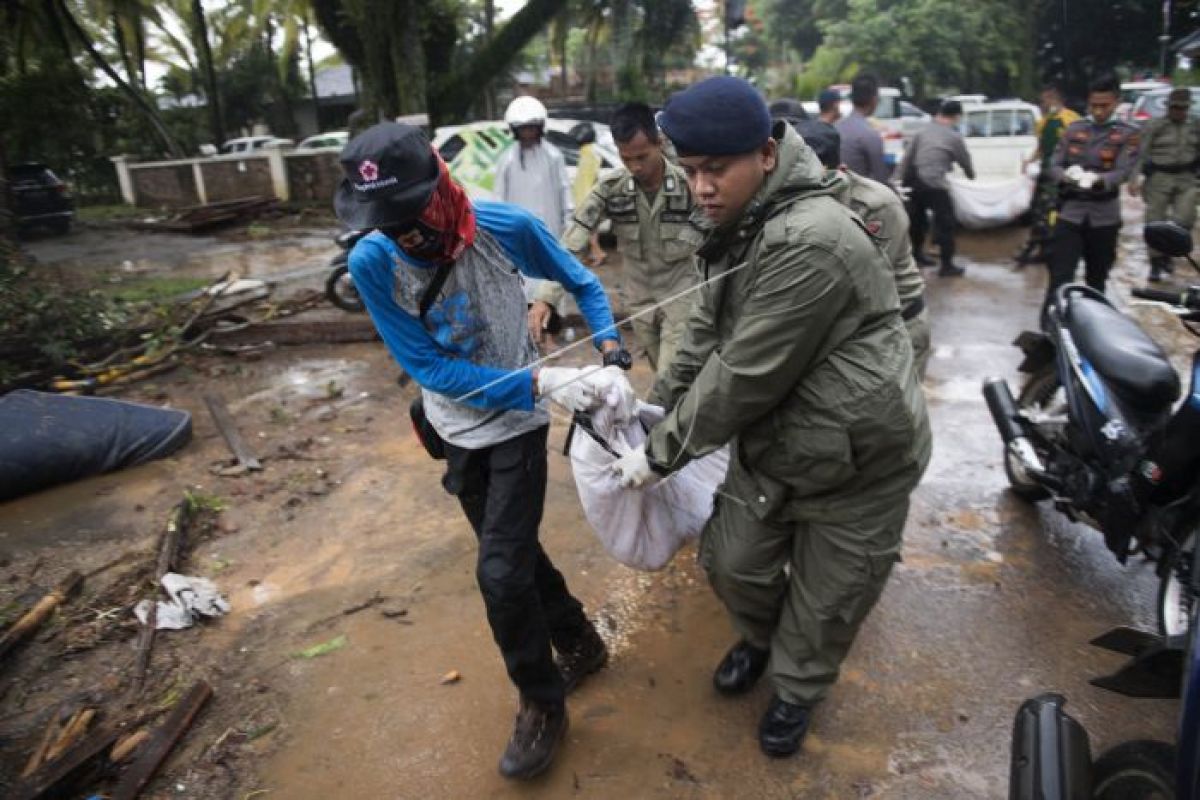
1168	238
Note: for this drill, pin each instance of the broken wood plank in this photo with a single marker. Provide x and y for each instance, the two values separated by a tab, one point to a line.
41	611
168	552
72	733
53	731
127	745
337	331
162	742
52	778
228	428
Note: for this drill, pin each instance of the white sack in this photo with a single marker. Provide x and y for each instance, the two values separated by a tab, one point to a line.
641	528
988	205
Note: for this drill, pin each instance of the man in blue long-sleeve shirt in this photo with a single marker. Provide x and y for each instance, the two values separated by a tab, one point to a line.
442	280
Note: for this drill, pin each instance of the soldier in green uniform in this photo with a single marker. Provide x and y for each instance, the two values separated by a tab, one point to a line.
650	208
1170	154
883	212
1093	157
796	357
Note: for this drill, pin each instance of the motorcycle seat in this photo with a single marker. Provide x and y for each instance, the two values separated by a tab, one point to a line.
1131	363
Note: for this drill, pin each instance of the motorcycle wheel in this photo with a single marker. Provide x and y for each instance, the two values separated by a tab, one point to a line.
1138	770
339	288
1037	392
1174	599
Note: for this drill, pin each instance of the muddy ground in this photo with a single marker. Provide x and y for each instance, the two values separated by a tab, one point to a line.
995	600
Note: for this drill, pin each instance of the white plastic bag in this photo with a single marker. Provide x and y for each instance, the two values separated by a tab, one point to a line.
641	528
988	205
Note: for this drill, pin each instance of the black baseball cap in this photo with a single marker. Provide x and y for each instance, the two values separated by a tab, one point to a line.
390	172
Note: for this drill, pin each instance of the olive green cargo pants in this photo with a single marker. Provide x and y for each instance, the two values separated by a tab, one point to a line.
809	613
920	333
1171	197
660	333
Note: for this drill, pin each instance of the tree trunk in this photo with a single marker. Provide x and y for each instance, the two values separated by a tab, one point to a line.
453	97
489	26
139	100
122	47
140	54
216	120
312	72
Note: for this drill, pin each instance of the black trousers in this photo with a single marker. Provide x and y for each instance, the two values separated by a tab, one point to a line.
926	199
502	490
1096	245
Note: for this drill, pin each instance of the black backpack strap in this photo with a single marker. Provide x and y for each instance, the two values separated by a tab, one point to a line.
435	286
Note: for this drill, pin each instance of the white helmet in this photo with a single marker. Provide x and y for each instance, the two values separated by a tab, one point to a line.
525	111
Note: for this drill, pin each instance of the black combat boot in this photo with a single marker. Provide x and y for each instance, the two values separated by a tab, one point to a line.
782	728
536	736
580	656
741	667
922	259
950	270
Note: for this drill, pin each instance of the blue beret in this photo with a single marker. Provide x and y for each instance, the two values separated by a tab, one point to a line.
716	117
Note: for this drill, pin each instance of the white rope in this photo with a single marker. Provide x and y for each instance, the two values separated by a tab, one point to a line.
551	356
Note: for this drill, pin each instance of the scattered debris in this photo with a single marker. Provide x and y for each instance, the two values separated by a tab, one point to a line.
128	745
324	648
33	619
374	600
190	599
168	551
228	429
162	742
453	676
197	219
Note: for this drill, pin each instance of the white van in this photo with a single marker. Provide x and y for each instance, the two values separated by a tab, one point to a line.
1000	136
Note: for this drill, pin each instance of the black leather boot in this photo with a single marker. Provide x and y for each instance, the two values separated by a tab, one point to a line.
1158	267
536	736
584	654
741	667
782	728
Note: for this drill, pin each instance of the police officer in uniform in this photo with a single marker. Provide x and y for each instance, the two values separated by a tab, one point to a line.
650	208
797	358
1170	152
1093	157
883	212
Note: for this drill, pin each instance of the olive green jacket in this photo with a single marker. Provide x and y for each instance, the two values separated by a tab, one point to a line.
883	212
799	360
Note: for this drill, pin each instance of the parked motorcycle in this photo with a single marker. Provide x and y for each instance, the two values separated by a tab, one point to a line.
339	286
1093	428
1068	454
1051	753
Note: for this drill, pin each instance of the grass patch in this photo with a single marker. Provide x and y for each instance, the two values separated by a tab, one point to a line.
153	290
109	213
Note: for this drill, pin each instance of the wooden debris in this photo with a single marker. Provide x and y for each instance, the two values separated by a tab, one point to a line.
72	733
453	676
53	777
195	219
339	331
53	731
168	552
162	742
233	437
127	745
33	619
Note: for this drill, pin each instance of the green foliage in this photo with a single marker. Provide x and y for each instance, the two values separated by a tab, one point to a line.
153	291
38	315
202	501
829	65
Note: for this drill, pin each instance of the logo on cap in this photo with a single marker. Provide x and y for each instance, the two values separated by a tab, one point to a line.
369	171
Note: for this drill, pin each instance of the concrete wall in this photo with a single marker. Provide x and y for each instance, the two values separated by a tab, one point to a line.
313	176
167	184
232	179
305	176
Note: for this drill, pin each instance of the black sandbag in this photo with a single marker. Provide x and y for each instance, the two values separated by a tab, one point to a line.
47	439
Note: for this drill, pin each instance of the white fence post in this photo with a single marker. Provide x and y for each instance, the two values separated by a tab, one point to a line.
124	179
279	176
198	174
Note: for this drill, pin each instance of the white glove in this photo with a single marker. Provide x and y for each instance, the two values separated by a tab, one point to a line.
569	387
1073	173
1088	179
633	469
612	388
